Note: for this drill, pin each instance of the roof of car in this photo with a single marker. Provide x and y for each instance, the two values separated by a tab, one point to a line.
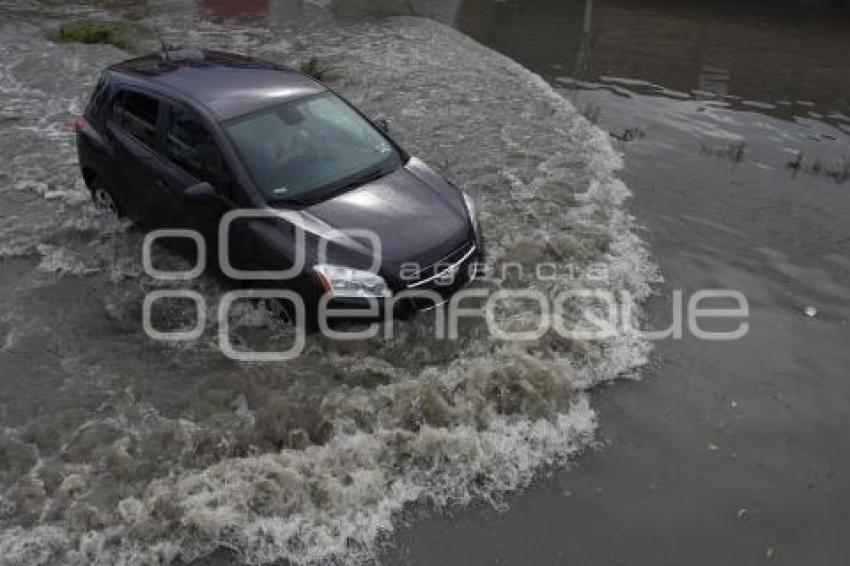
229	85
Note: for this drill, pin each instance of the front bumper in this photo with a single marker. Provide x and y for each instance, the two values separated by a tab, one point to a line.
424	294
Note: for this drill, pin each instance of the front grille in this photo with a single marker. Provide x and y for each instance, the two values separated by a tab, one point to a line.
453	263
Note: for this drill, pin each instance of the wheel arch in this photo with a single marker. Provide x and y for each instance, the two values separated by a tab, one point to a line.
89	175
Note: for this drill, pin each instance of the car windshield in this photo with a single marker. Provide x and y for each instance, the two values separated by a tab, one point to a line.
309	149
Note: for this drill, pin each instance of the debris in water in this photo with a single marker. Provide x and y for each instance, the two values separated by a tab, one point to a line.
811	312
769	552
743	515
713	447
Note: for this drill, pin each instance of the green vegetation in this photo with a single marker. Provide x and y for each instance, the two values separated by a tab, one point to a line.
314	68
123	35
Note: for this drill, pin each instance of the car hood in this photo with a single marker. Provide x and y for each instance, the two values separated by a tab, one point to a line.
416	215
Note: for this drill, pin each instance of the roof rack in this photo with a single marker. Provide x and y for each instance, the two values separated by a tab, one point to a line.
178	53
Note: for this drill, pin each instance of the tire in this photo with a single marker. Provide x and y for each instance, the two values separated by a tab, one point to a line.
279	312
103	198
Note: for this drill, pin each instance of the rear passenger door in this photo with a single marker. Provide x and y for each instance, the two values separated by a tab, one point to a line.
133	128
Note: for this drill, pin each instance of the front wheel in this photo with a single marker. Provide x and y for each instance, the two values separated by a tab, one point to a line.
281	314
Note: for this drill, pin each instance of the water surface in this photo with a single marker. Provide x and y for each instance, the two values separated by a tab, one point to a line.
734	130
124	449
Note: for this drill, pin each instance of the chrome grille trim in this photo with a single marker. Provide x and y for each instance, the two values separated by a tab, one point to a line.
451	268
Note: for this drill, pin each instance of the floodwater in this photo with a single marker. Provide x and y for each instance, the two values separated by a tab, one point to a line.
735	137
734	124
121	449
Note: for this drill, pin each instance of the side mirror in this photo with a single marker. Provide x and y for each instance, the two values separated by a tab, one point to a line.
383	124
202	193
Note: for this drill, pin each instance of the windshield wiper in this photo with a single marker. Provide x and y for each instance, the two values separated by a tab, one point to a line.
293	200
367	177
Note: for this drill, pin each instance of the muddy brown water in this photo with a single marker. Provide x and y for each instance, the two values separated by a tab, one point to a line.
733	125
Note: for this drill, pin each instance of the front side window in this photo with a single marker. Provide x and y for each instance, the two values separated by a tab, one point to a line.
308	149
190	145
137	114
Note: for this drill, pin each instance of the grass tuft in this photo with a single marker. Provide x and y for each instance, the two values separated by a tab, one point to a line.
839	171
122	35
314	68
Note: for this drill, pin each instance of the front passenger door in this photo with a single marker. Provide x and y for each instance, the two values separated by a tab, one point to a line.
193	157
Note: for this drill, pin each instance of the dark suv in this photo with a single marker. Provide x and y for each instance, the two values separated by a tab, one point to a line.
181	138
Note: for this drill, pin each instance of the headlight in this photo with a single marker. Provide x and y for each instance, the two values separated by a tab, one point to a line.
346	282
472	209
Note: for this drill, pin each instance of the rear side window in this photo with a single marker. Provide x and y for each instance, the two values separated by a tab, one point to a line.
137	113
93	110
191	146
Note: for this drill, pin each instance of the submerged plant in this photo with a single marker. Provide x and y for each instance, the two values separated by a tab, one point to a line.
630	134
796	163
734	152
836	170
